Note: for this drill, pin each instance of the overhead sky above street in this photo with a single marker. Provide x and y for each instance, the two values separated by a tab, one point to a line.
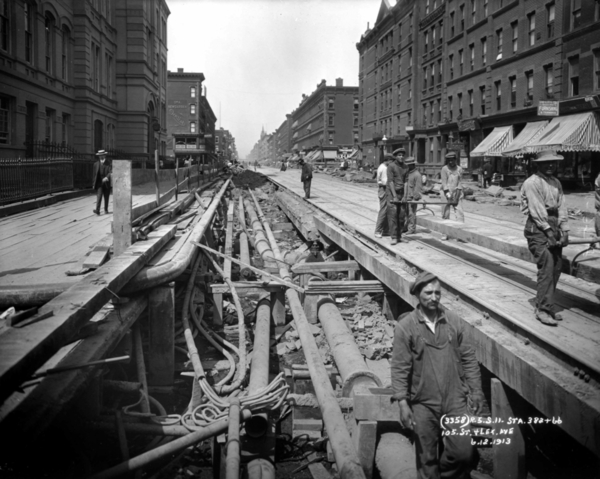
260	56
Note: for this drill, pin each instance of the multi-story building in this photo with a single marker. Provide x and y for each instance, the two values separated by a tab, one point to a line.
326	119
485	75
282	139
72	75
225	145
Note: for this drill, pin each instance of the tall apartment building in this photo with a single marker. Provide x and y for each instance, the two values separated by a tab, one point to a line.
326	119
225	145
282	139
88	74
190	119
485	76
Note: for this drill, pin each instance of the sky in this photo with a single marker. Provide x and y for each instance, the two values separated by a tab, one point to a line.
260	56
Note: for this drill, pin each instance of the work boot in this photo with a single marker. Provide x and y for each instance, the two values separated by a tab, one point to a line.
544	318
556	316
96	212
394	241
378	235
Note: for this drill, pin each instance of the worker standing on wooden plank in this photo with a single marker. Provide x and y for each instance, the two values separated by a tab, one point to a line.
452	187
434	374
381	227
396	177
102	175
546	230
306	176
412	192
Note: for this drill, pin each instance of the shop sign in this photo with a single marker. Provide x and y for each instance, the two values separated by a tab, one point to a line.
455	146
467	125
547	108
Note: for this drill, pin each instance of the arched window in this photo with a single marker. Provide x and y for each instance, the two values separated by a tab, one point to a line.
49	41
65	52
29	16
98	135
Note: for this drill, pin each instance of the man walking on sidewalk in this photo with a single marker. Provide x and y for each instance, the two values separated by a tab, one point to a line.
412	192
546	230
102	176
381	227
396	177
452	187
306	177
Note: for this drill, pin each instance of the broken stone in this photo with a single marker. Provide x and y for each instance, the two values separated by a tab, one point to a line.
298	344
282	349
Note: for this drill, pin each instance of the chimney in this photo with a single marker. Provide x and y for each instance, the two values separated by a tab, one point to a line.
339	82
180	70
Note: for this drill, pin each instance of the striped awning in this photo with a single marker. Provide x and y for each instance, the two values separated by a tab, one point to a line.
578	132
311	155
495	142
529	134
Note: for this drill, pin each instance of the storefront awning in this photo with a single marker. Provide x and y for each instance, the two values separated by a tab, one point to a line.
294	157
579	132
495	142
311	155
353	155
529	134
329	154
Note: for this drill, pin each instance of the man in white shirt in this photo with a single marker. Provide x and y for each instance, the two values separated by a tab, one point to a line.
381	227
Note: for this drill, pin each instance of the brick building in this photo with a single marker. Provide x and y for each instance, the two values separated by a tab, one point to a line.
225	145
469	76
190	119
88	74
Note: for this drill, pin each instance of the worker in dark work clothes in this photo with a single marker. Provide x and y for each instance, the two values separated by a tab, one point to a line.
434	373
412	192
101	172
396	177
546	230
306	177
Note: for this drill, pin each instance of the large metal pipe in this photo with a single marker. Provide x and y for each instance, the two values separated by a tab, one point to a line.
172	447
246	273
232	460
348	358
344	451
261	243
395	457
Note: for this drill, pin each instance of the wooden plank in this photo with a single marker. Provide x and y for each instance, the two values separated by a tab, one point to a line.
99	254
282	227
318	471
122	205
375	407
324	267
509	459
248	286
161	334
218	318
365	440
25	349
278	307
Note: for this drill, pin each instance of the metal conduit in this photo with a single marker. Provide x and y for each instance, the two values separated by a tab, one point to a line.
232	466
246	273
345	454
261	243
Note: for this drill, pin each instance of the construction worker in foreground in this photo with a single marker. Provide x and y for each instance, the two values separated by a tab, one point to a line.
396	177
546	230
412	192
434	372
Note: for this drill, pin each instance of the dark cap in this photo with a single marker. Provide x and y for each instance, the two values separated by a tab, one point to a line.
422	279
399	151
388	157
451	155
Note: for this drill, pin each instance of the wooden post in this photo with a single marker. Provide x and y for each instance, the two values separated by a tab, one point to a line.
176	179
365	439
156	176
278	308
509	459
121	205
161	330
391	307
311	307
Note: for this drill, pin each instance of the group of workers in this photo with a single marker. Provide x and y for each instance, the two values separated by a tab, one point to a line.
400	187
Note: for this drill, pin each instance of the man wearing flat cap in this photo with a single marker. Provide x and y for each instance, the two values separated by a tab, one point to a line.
434	374
382	226
101	173
412	192
452	187
306	176
396	177
546	230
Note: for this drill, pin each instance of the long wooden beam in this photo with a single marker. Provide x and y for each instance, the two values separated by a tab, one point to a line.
325	267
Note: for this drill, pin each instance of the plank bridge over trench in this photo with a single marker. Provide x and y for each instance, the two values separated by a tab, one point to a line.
491	291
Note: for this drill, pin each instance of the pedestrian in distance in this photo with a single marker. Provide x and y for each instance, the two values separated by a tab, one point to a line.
255	164
487	173
452	188
396	177
102	174
546	230
306	176
412	192
382	225
437	382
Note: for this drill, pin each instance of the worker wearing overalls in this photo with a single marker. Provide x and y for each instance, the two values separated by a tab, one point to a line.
434	369
546	231
396	177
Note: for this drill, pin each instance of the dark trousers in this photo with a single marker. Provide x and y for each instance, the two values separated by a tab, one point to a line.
411	223
396	216
102	192
549	262
487	182
597	222
382	223
457	456
306	184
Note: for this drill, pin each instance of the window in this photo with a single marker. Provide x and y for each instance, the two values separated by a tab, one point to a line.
192	127
355	120
450	108
451	67
410	57
65	53
96	67
330	138
192	109
426	40
399	33
433	37
515	36
424	77
451	24
574	75
331	117
109	74
549	72
331	103
409	92
410	22
50	117
193	92
499	44
28	17
498	86
597	11
472	56
426	7
460	109
441	35
5	120
409	118
596	69
485	8
473	12
4	26
433	74
484	51
462	17
531	23
482	99
550	13
439	110
439	71
424	108
66	128
513	91
49	41
460	62
356	104
529	91
576	13
470	92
